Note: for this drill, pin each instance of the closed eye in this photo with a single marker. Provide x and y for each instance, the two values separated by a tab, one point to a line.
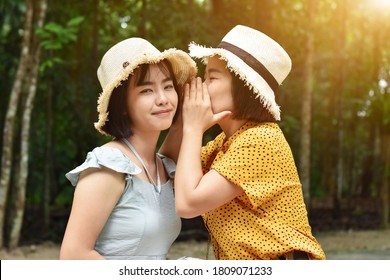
146	91
209	77
213	74
169	87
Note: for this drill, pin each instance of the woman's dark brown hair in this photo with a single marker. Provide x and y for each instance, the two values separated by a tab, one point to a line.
118	123
246	106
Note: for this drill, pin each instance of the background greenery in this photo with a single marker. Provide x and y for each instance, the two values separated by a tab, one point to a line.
350	104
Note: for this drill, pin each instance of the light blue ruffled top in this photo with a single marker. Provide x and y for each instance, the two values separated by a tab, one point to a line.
143	224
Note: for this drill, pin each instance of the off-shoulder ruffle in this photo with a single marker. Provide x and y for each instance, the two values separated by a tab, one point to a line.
108	157
114	159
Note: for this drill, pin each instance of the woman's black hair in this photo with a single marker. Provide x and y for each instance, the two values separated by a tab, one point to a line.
118	123
246	106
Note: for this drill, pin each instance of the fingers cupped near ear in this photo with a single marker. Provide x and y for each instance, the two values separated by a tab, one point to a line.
186	90
193	88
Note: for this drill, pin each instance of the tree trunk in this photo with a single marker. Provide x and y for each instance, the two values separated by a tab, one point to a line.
308	75
385	181
8	131
330	131
367	175
142	27
46	195
339	82
263	17
217	7
384	130
21	178
95	35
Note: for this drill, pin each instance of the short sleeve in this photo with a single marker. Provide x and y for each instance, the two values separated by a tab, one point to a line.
260	162
209	151
111	158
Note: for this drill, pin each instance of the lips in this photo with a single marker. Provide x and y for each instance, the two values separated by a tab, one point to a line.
162	112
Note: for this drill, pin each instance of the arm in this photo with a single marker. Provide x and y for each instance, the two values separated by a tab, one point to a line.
96	194
171	145
196	193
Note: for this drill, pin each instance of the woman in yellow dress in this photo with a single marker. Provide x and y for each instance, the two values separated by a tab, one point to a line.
245	184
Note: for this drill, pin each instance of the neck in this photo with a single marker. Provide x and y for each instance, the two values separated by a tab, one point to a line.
143	149
230	126
145	145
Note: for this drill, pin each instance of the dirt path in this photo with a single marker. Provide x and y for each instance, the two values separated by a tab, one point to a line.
356	245
340	245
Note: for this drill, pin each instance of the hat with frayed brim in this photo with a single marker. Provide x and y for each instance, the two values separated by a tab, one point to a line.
255	58
122	59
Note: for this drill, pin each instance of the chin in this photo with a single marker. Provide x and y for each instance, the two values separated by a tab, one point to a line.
164	125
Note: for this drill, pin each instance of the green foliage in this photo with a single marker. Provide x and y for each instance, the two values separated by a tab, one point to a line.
54	37
76	35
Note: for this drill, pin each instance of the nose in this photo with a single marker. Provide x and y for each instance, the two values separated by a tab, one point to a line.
161	97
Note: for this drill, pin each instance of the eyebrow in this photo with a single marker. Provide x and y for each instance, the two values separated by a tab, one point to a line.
148	83
213	70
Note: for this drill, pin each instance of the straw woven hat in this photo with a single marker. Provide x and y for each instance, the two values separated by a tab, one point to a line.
255	58
120	61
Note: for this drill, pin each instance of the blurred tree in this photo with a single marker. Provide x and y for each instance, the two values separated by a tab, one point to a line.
338	83
53	37
347	134
334	92
8	130
30	83
307	91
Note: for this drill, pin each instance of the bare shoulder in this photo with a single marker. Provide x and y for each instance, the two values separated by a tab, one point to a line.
114	144
119	145
102	179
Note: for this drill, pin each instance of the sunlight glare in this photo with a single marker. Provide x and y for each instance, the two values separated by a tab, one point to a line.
382	84
380	3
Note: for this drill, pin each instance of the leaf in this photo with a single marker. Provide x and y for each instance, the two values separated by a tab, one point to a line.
75	21
53	27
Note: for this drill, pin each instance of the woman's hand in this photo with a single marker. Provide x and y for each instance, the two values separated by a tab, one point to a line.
197	111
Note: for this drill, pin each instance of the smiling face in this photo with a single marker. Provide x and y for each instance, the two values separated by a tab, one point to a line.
219	84
151	98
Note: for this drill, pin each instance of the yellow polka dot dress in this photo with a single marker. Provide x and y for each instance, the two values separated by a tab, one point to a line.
270	218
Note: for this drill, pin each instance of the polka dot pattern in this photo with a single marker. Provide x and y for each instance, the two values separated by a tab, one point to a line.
270	218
